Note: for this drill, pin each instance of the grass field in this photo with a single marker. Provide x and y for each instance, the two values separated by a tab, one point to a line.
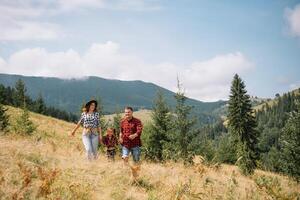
52	165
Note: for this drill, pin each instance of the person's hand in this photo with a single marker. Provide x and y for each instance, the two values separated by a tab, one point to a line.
100	140
132	136
120	140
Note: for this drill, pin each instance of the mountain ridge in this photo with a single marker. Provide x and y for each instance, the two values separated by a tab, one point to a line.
70	94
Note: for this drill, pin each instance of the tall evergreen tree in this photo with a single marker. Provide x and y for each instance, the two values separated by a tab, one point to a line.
103	122
290	146
3	119
183	125
161	124
242	126
2	94
117	122
40	106
20	93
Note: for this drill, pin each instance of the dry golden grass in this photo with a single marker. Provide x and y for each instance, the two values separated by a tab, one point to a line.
52	165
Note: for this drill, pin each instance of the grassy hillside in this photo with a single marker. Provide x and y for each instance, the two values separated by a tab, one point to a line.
51	165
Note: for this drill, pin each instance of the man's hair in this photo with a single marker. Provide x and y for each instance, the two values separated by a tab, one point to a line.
128	108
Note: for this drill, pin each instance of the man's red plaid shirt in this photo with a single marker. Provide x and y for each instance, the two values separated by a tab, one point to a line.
129	127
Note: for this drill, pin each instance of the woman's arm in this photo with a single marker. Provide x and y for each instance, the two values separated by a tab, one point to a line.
75	129
77	125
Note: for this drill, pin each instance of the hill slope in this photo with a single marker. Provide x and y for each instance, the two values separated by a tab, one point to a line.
51	165
115	94
272	102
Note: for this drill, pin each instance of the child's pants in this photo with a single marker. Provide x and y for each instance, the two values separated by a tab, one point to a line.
110	153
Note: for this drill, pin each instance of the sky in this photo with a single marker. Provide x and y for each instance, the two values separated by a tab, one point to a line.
202	42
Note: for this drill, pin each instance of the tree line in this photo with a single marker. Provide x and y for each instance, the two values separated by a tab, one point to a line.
17	96
268	139
279	142
172	134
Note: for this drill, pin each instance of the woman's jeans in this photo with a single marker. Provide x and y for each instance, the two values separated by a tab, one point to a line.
90	142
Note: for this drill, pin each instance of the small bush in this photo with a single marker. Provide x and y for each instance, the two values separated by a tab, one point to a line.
23	124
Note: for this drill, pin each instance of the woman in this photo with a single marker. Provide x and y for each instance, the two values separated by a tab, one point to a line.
91	129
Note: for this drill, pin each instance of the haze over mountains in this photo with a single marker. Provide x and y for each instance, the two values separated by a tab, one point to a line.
70	94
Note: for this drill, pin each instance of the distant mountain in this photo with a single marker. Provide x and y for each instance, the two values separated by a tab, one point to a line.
70	94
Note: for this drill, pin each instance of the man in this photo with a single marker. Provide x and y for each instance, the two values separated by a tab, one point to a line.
130	138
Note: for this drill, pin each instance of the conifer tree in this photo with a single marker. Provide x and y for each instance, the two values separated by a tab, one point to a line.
3	119
183	126
40	106
19	93
102	121
117	122
23	124
161	124
290	146
242	126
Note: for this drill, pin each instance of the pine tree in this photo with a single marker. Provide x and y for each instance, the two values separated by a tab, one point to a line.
183	125
242	126
2	94
19	93
117	122
40	106
161	122
3	119
102	121
225	153
290	146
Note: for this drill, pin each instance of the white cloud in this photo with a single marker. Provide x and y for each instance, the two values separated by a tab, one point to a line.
295	85
23	20
293	19
207	80
29	30
71	5
211	79
137	5
18	22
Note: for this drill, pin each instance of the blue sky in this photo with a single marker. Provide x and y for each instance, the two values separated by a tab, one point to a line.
203	42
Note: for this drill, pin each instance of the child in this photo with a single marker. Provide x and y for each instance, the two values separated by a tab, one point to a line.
110	141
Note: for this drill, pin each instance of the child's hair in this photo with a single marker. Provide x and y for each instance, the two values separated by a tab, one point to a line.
111	129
